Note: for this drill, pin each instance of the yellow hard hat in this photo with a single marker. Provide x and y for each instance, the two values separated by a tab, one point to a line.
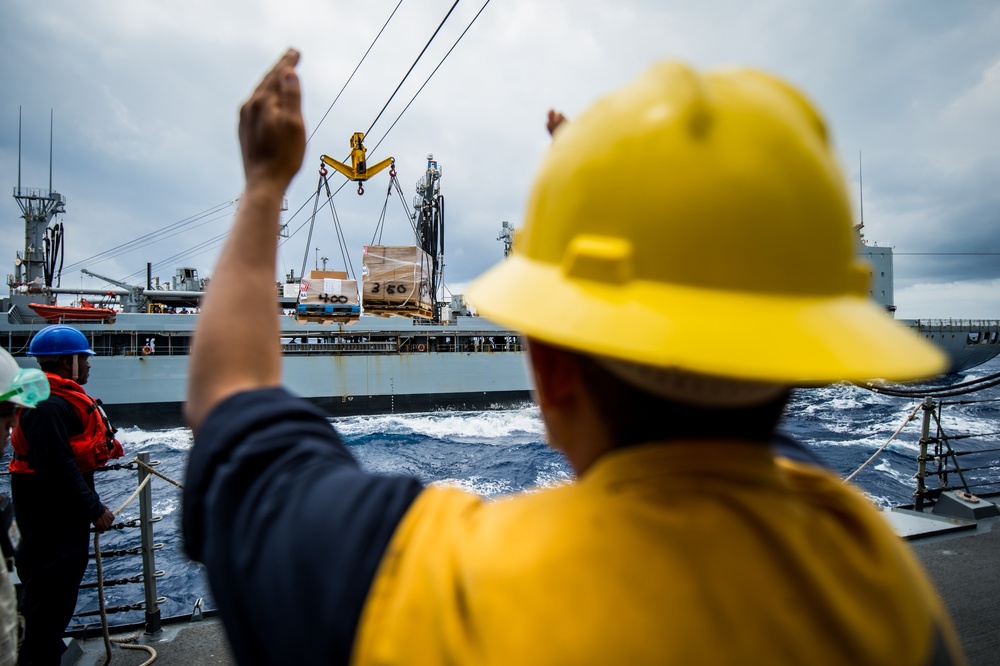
700	222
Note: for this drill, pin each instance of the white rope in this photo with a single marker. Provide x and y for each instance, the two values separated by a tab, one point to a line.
153	471
909	418
132	496
128	643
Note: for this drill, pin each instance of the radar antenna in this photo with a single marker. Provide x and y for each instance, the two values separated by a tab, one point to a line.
507	236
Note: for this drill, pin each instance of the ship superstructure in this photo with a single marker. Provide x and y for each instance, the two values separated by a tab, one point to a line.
336	354
968	342
347	362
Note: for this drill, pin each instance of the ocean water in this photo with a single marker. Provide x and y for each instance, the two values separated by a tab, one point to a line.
501	451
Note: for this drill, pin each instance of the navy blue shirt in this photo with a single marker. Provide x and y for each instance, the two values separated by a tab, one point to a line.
290	528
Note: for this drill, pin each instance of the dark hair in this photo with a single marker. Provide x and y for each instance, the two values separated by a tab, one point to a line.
48	363
635	416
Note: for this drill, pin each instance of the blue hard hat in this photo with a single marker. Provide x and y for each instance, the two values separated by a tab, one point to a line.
59	340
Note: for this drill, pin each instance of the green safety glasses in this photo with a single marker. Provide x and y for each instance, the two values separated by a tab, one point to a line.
29	387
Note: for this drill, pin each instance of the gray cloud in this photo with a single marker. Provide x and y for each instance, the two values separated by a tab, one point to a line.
145	98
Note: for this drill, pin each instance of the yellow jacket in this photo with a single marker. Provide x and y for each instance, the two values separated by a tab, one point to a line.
686	553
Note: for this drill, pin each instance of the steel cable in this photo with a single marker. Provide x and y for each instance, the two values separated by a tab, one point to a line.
344	87
963	388
421	55
433	72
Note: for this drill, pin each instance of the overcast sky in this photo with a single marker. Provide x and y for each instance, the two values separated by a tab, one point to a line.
145	98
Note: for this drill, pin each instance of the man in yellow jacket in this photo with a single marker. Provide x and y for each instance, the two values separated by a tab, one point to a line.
692	235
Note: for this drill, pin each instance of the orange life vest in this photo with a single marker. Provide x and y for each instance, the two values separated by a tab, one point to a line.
92	448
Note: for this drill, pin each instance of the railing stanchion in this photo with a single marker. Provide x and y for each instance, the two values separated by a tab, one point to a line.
925	429
148	558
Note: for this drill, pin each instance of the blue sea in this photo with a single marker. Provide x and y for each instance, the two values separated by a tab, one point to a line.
502	451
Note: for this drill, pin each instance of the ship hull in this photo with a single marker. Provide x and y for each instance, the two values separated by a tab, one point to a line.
373	366
148	391
163	415
377	365
967	342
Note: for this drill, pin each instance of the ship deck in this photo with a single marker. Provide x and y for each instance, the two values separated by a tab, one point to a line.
961	556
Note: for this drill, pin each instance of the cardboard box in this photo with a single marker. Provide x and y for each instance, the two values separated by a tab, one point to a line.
334	291
395	276
319	275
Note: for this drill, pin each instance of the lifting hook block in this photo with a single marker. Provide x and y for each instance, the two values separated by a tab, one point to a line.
361	189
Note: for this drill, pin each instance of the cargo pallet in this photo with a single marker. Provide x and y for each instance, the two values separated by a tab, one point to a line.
421	310
327	313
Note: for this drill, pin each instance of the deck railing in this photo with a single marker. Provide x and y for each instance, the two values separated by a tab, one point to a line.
145	550
950	458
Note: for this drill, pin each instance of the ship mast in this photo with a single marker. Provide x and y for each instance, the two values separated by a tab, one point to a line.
42	244
428	221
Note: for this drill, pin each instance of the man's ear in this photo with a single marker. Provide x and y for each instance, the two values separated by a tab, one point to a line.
556	373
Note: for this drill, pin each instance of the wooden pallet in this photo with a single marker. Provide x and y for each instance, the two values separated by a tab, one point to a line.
326	319
394	309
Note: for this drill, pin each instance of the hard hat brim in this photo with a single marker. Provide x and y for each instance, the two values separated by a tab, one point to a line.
85	352
789	339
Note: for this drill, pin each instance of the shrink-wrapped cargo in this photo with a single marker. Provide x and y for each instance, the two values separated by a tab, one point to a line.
327	295
329	290
396	280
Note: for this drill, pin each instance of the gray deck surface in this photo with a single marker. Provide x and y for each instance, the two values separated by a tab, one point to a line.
966	570
202	642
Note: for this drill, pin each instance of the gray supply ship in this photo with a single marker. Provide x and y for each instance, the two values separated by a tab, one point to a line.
968	342
415	353
421	354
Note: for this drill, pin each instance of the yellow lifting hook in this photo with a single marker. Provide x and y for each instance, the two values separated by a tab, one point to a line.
359	170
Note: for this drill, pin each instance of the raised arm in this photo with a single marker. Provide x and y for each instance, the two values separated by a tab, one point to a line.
554	120
236	342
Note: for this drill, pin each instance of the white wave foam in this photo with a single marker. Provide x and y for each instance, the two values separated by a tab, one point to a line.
134	440
552	479
880	501
164	506
491	488
477	485
446	425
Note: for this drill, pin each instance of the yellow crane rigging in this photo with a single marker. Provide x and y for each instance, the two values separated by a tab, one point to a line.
359	170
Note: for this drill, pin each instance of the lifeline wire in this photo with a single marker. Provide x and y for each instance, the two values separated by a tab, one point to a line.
428	79
337	191
440	25
148	239
217	239
398	117
370	46
158	235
